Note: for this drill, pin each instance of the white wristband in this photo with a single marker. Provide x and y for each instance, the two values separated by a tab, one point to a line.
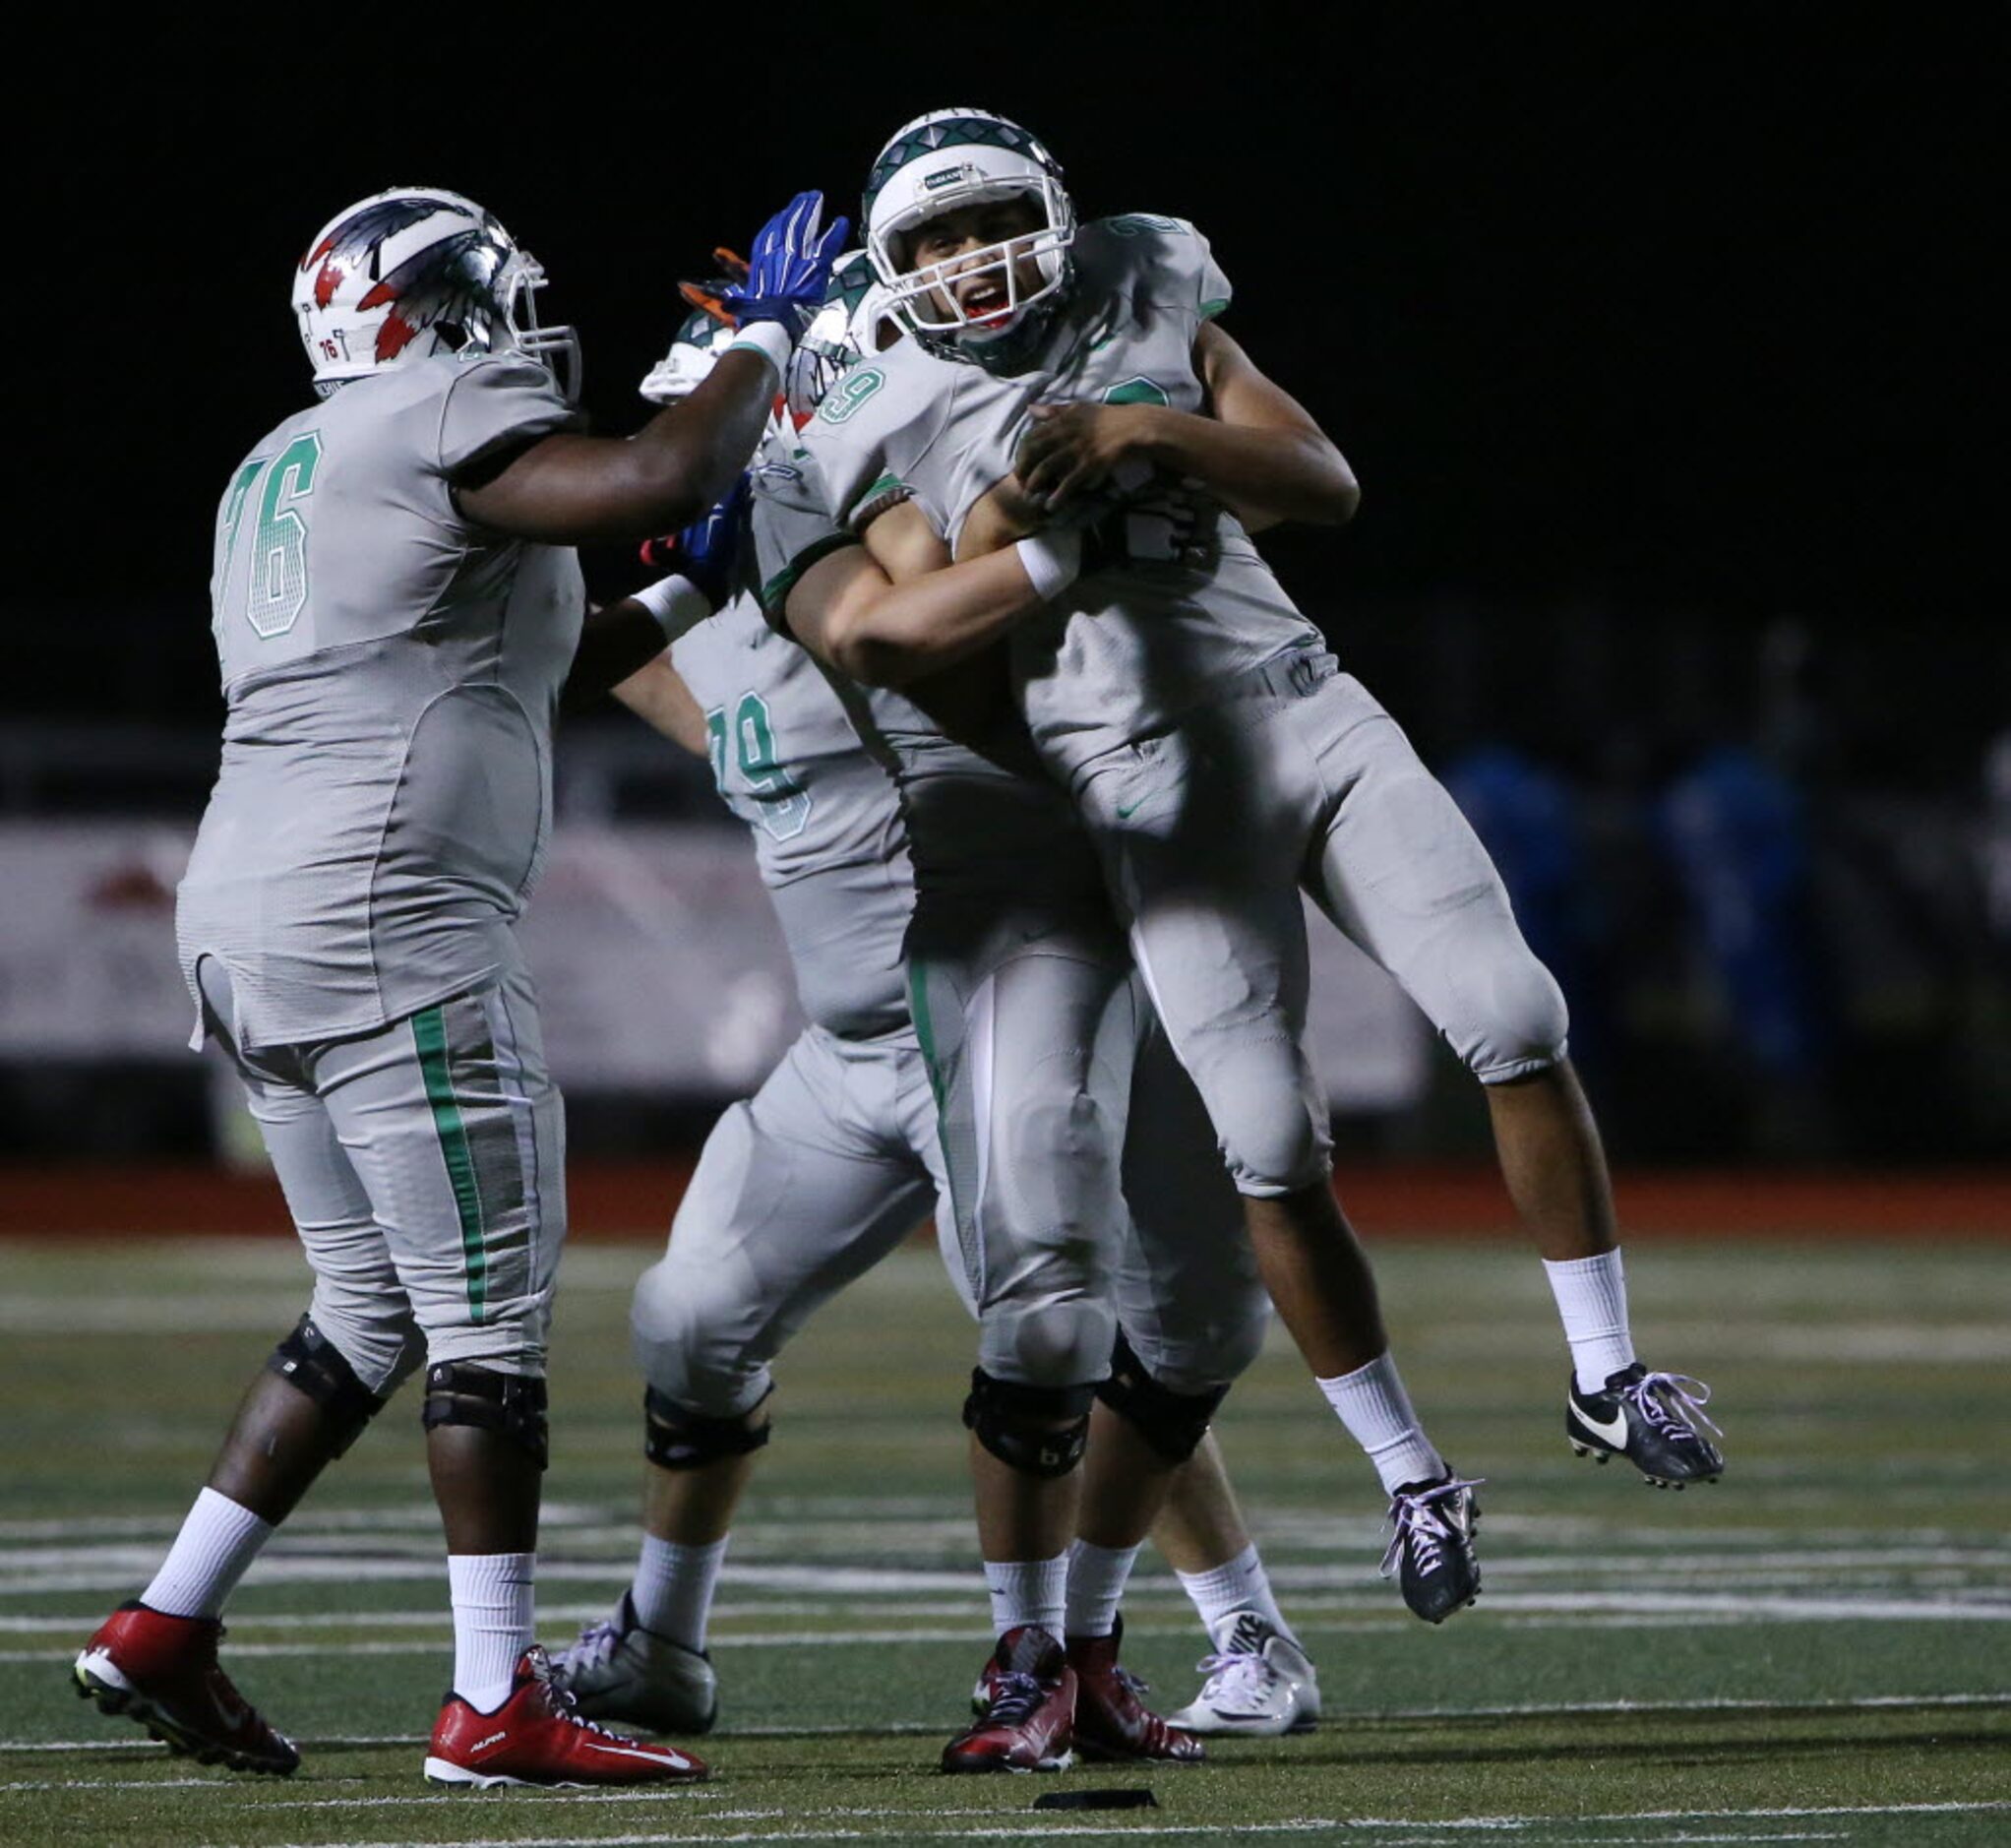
770	340
1052	560
677	603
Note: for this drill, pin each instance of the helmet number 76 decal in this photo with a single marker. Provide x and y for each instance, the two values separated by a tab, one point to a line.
276	582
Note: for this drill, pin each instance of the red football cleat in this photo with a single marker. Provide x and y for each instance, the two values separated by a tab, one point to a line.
161	1671
536	1738
1029	1713
1111	1721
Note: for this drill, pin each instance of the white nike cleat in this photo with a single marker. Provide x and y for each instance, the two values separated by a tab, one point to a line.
620	1671
1260	1684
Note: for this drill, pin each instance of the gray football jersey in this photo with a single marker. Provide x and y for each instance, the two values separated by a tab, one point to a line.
1121	653
391	672
989	833
826	822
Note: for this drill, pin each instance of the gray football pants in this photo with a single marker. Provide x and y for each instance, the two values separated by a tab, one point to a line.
799	1191
424	1167
813	1180
1293	775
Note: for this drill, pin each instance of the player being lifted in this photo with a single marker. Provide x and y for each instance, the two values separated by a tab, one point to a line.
1060	377
395	605
1006	880
832	1162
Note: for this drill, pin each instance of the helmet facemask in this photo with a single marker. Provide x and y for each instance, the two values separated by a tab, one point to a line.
947	162
516	328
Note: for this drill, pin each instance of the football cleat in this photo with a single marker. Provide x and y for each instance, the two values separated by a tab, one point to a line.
1028	1721
1111	1721
162	1672
1432	1551
536	1738
1651	1419
1260	1684
620	1671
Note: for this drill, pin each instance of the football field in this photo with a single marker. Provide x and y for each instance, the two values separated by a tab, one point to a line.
1816	1649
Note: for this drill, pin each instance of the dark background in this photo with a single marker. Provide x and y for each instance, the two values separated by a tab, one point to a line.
1660	344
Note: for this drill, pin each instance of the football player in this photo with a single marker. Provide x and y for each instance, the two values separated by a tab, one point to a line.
831	1163
395	605
1062	377
947	735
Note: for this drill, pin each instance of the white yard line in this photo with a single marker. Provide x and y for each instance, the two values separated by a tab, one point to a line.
1584	1610
1051	1826
1385	1716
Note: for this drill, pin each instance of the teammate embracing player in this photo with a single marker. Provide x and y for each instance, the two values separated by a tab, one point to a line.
859	1131
395	605
1066	387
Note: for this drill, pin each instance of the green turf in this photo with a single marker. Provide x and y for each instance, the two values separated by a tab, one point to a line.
1814	1650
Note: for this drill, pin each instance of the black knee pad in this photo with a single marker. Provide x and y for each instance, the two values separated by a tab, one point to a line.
309	1360
459	1392
1172	1423
1017	1423
674	1436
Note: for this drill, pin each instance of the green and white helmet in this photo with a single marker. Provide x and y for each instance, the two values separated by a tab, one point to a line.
700	341
853	320
942	162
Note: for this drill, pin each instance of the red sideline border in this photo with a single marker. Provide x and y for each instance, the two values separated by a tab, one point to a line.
636	1199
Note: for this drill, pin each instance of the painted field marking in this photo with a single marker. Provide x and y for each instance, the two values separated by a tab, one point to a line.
1425	1829
1379	1717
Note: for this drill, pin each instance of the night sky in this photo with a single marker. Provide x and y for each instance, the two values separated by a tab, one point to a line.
1670	310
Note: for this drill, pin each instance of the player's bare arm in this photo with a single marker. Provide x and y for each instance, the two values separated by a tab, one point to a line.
617	641
896	610
568	490
1256	449
658	694
576	490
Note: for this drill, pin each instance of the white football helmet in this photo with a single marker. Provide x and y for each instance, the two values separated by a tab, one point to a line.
698	344
951	159
855	319
417	270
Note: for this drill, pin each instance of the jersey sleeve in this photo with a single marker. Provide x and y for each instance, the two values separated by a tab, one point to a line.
495	403
875	424
1172	262
793	529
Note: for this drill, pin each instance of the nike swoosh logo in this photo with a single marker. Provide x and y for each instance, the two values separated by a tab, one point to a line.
1613	1431
1126	810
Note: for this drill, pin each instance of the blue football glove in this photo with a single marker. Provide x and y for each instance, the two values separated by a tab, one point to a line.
790	268
707	551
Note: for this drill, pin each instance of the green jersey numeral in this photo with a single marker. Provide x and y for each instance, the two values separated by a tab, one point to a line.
276	584
1140	391
784	806
850	392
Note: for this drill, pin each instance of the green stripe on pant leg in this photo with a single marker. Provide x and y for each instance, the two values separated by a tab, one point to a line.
429	1035
951	1134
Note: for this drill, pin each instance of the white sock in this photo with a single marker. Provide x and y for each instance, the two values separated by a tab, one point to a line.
1236	1585
1592	1302
1372	1403
673	1591
218	1541
1097	1577
493	1624
1029	1591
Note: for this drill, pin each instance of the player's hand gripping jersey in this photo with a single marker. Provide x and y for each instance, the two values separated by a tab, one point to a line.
390	671
1118	653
